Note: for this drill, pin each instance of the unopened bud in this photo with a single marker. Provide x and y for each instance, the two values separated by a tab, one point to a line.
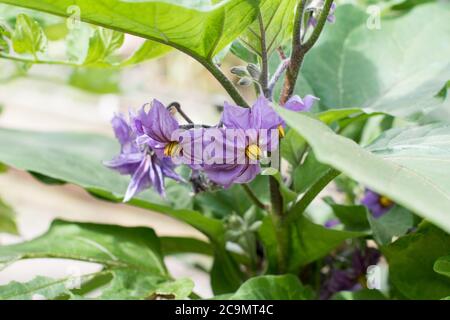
245	82
239	71
254	71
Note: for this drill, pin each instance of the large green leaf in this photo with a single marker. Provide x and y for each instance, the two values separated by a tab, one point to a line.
198	28
306	242
397	69
7	219
409	165
286	287
77	158
131	255
411	259
277	20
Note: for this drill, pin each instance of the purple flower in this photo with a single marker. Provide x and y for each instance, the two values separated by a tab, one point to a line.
138	160
376	203
332	223
244	140
296	103
350	278
315	7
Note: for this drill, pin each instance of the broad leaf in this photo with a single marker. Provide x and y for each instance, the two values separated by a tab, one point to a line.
306	242
286	287
352	217
308	173
364	294
397	69
28	36
396	222
77	158
410	165
131	255
277	20
200	29
411	259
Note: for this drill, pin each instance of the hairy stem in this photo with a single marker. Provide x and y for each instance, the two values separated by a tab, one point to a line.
253	197
299	50
297	210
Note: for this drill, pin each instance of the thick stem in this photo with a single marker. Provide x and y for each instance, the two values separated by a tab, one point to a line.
299	50
297	210
253	197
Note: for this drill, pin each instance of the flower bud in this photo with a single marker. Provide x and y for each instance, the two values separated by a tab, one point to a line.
245	82
239	71
254	71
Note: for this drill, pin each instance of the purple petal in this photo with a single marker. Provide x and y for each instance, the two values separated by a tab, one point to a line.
161	124
125	163
140	179
296	103
235	116
263	116
223	174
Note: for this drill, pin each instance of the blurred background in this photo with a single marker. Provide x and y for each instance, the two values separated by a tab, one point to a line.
61	98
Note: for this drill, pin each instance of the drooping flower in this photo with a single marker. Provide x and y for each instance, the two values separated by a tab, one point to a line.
376	203
316	7
138	160
246	137
296	103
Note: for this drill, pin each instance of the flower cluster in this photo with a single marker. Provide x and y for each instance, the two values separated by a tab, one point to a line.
153	143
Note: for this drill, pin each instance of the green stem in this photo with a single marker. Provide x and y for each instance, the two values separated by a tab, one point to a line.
297	210
264	78
37	61
253	197
225	82
299	50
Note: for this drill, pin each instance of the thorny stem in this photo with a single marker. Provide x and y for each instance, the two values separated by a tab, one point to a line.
253	197
299	50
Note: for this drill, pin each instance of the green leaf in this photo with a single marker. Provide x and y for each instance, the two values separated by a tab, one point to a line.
148	50
306	242
28	36
131	255
285	287
77	158
277	19
442	266
38	288
4	45
396	222
96	80
238	49
397	69
197	28
226	276
411	259
176	245
353	217
308	173
7	219
409	165
364	294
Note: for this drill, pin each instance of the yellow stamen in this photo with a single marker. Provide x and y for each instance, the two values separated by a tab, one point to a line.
281	131
172	149
253	152
385	201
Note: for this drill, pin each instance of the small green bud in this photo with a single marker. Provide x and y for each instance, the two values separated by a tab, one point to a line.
255	226
239	71
245	82
254	71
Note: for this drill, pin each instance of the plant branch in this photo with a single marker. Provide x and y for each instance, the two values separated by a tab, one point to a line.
264	78
297	210
253	197
177	107
298	50
225	82
37	61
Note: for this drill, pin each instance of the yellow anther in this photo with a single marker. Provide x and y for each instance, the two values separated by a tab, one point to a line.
253	152
385	201
172	149
281	132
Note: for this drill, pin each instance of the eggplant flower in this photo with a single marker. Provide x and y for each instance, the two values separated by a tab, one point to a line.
376	203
